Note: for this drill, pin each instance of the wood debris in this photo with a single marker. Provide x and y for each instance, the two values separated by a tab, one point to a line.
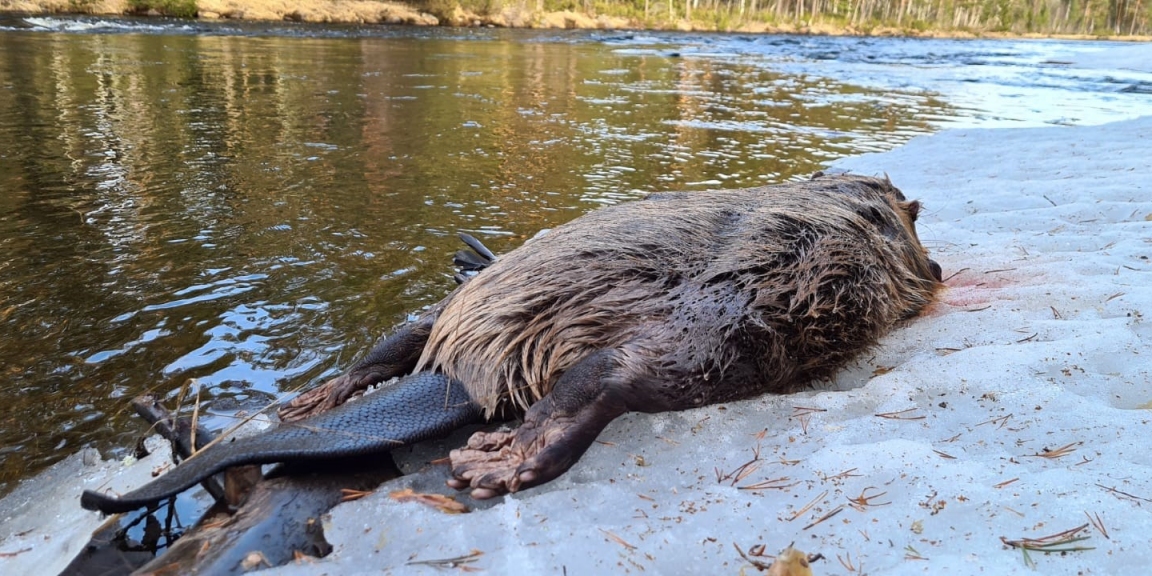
1059	543
459	562
439	501
1058	452
901	415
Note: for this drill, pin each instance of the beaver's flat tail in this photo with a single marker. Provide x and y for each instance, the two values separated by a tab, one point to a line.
418	407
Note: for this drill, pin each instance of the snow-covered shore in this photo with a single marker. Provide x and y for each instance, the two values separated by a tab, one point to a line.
1018	407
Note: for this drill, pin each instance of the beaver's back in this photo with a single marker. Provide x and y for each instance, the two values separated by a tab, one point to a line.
718	294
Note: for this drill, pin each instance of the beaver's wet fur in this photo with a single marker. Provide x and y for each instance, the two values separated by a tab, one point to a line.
704	297
677	301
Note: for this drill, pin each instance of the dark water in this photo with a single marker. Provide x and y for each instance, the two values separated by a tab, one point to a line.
246	209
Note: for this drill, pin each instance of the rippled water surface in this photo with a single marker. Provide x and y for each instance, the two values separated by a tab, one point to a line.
246	208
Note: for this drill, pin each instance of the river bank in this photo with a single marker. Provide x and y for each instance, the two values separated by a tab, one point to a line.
512	15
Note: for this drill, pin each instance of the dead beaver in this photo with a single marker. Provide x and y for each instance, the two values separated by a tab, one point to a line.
673	302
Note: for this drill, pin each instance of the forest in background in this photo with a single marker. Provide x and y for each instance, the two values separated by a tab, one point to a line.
1092	18
1079	17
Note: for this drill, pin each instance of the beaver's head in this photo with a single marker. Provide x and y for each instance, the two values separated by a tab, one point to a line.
925	275
908	212
885	208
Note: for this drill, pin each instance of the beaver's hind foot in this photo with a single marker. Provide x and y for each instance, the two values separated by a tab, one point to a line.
321	399
393	356
556	431
493	463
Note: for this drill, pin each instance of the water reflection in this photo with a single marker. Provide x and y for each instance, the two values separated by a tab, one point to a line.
249	213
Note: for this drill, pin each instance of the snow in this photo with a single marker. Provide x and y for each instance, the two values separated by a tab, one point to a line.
1016	407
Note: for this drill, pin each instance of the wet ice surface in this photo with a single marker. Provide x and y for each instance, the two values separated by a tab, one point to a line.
1016	405
42	527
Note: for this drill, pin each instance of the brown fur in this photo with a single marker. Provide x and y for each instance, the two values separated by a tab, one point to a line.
708	296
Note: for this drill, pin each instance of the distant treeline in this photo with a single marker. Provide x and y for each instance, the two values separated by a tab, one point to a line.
1081	17
1091	17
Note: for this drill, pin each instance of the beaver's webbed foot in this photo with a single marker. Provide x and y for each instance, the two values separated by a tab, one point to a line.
496	463
394	356
322	398
556	431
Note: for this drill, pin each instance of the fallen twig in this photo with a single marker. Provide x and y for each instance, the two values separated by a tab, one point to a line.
864	500
849	473
898	415
808	506
846	562
742	471
770	484
804	410
1098	523
618	539
349	495
1005	483
186	438
834	512
911	553
1059	543
755	563
439	501
1014	511
955	274
999	421
455	562
1119	493
1057	453
804	415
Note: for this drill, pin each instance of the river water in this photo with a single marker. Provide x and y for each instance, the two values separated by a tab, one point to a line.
245	208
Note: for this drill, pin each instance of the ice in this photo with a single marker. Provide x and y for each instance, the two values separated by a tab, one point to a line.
42	526
1015	407
1133	57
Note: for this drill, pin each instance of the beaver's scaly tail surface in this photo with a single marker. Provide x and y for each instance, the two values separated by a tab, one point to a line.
419	407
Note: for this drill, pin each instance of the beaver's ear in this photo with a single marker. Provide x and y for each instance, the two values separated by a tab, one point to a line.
912	208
